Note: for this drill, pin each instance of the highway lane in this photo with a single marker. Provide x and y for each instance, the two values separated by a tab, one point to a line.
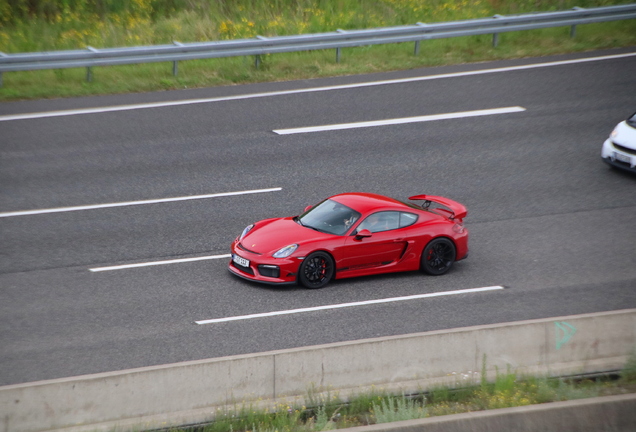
548	219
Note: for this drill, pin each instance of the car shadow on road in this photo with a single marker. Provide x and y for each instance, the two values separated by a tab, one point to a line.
397	278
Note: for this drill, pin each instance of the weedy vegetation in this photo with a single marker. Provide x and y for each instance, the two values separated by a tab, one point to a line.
48	25
471	392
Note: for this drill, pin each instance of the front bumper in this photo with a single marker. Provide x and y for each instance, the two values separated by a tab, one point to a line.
238	273
262	269
622	158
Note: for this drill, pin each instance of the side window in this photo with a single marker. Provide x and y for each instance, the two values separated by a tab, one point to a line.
381	221
407	219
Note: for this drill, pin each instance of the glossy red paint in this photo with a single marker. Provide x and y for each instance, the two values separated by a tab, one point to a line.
459	210
397	246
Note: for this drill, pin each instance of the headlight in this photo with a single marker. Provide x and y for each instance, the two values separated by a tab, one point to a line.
245	231
614	132
286	251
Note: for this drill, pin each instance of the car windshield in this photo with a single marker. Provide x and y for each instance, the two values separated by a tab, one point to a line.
632	120
329	217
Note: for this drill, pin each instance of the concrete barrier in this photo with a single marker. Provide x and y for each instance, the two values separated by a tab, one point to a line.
192	391
609	414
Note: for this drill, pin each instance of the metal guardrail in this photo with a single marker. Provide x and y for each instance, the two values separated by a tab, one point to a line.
92	57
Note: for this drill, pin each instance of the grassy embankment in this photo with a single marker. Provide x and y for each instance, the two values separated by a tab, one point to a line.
472	393
46	25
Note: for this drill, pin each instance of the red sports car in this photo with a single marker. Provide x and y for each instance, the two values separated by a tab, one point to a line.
353	234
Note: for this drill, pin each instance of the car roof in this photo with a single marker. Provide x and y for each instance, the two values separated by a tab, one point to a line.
368	202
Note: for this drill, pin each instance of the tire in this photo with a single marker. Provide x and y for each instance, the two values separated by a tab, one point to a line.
438	256
316	270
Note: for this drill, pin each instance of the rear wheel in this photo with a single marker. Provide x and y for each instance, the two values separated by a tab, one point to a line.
438	256
316	270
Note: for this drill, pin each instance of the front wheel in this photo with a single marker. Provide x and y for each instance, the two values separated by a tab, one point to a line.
438	256
316	270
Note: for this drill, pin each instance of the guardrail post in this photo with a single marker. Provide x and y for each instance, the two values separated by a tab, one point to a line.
175	64
417	43
573	28
257	57
2	55
495	36
89	70
338	49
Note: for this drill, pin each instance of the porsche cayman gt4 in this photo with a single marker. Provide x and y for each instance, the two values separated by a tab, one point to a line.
350	235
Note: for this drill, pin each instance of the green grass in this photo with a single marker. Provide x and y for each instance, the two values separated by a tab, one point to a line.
141	23
328	412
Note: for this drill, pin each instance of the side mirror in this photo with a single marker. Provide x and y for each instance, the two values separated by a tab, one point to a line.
307	209
363	234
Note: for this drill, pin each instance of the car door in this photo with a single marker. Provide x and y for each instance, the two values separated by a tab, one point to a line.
384	246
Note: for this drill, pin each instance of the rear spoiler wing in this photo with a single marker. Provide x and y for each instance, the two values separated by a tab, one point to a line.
459	210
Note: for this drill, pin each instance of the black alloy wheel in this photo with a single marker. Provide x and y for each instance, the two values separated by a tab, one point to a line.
316	270
438	256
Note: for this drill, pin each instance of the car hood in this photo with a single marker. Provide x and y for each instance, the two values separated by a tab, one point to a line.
269	236
624	135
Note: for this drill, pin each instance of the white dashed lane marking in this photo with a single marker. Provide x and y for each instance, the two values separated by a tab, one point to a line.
426	118
347	305
133	203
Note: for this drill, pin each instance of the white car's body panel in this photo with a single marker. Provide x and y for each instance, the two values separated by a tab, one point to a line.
619	150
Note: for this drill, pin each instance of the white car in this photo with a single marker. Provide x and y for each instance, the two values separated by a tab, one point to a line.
619	150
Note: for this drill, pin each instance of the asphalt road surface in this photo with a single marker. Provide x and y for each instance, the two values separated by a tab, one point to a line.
549	221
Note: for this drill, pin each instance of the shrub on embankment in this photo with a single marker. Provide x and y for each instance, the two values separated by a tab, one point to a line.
48	25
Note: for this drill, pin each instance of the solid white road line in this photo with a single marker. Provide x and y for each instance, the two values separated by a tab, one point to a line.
345	305
97	110
133	203
156	263
404	120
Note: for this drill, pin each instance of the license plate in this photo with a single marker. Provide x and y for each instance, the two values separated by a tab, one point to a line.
240	261
622	157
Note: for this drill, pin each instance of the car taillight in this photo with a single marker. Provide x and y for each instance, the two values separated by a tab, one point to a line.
459	227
